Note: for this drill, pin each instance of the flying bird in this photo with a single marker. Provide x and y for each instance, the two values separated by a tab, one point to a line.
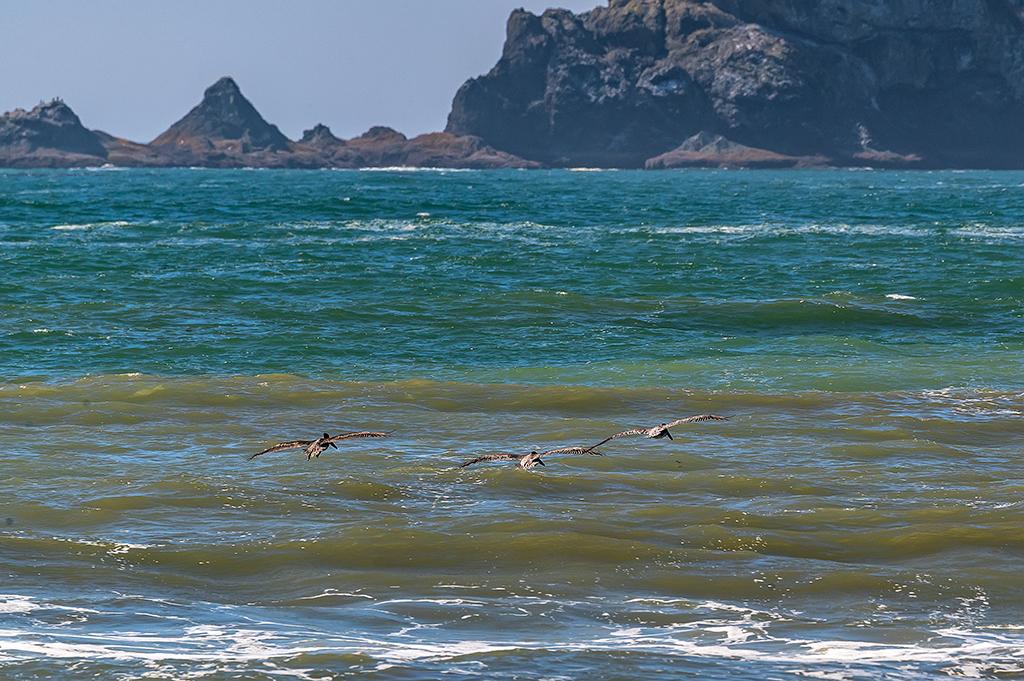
533	459
314	448
659	432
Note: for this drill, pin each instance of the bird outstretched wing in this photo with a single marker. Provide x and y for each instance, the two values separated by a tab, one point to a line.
296	444
625	433
492	457
696	419
352	436
573	451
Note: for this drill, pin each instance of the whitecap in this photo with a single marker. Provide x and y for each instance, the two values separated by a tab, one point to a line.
332	593
90	225
414	169
990	232
435	601
13	604
899	296
770	229
121	549
10	605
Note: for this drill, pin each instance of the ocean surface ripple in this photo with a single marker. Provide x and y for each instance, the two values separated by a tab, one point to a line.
860	517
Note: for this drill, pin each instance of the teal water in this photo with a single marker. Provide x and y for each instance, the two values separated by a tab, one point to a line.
859	516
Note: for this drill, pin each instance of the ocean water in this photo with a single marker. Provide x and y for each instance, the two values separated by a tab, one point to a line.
859	517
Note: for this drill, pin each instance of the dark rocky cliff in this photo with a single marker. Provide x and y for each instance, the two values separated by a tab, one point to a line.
225	129
45	135
879	82
224	116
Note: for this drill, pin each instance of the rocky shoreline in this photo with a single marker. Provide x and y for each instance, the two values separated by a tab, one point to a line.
651	84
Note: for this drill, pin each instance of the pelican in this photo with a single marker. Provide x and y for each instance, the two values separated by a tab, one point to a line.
659	432
533	459
314	448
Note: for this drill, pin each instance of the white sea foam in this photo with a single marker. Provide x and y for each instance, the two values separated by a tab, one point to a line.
752	230
899	296
730	633
332	593
435	601
90	225
825	676
120	549
413	169
16	604
970	654
991	233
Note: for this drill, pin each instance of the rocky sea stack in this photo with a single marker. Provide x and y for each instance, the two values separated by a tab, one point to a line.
48	135
223	129
773	82
653	84
224	116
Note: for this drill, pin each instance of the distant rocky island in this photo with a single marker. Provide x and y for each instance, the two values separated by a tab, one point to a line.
652	84
226	131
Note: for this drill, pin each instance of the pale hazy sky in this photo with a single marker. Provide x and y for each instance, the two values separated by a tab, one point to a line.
133	67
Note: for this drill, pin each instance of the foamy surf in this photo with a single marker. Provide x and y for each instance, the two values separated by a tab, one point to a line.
760	639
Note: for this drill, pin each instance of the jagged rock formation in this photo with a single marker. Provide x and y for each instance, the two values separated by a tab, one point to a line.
224	118
885	82
320	137
50	135
384	147
705	150
226	131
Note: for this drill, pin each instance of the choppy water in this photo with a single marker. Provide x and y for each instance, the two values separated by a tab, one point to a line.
861	516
